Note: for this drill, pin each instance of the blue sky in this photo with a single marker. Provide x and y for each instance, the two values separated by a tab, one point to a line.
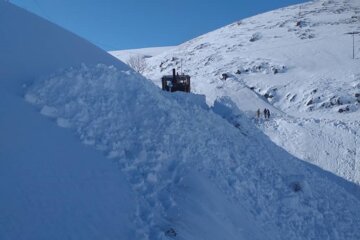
126	24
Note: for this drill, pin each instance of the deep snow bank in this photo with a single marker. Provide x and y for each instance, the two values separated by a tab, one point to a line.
51	186
160	141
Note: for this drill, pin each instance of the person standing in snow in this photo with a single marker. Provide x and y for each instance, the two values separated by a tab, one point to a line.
170	85
258	113
265	113
268	113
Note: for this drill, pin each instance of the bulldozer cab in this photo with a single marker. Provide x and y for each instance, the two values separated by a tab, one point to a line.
176	82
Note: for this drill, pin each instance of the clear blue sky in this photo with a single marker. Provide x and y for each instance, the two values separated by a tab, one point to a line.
126	24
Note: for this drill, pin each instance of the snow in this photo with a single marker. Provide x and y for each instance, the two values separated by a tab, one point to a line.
125	55
151	164
51	186
299	65
160	146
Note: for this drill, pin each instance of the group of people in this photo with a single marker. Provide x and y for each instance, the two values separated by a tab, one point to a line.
266	113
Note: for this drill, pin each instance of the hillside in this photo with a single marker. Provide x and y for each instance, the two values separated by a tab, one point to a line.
125	55
296	61
152	165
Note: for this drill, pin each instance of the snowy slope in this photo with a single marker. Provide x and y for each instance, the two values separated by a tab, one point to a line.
296	61
195	172
51	186
125	55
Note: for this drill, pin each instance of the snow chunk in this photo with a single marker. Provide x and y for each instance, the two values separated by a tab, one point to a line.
31	98
225	107
151	177
49	111
62	122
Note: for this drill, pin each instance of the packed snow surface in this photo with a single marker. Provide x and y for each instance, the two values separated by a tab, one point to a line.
295	61
178	170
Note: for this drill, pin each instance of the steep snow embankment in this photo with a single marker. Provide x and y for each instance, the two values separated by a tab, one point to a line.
170	149
129	119
51	186
296	61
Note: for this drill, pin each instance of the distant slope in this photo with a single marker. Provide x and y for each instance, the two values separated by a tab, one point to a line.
295	50
124	55
296	61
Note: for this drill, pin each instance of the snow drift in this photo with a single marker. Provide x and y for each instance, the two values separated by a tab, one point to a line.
161	140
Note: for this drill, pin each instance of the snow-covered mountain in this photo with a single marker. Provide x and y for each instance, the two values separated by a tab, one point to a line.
179	169
296	61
